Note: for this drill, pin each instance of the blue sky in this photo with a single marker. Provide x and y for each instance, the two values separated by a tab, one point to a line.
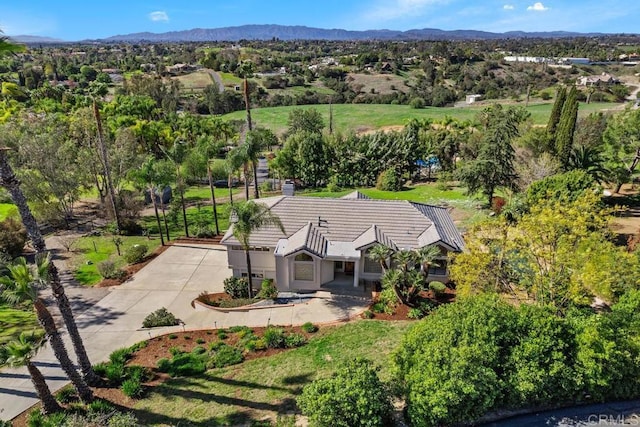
75	20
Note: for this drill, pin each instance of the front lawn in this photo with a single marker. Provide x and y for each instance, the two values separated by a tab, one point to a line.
262	388
89	251
195	215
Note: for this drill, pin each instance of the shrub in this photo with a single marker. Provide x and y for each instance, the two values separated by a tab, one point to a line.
200	341
239	329
389	180
236	287
173	336
225	356
139	372
67	395
309	328
199	350
12	237
294	340
164	364
160	317
438	288
202	231
187	337
417	103
266	186
222	334
108	270
100	406
381	307
367	314
121	419
274	337
115	373
135	254
132	388
353	396
121	355
268	290
100	369
415	313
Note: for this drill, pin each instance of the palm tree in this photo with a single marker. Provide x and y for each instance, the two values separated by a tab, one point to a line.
427	257
248	217
253	146
589	159
234	161
20	285
380	253
9	181
19	353
177	154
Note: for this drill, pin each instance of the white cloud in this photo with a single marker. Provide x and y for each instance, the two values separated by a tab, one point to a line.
159	16
393	9
508	7
538	7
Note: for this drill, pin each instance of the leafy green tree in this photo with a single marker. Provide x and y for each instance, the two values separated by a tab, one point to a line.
247	217
18	353
494	166
305	120
622	146
567	187
352	396
20	285
312	158
253	147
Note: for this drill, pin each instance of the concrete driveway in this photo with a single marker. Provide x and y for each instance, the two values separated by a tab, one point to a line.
172	280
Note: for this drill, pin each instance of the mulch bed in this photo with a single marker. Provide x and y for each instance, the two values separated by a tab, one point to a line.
130	270
157	348
402	310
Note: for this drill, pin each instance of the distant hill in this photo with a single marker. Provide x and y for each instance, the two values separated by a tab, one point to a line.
34	39
297	32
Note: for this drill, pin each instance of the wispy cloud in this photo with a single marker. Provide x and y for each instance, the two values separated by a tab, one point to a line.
538	7
393	9
508	7
159	16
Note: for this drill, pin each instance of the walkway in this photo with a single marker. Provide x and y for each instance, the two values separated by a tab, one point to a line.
172	280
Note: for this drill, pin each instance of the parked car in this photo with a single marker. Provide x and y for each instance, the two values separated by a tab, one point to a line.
223	183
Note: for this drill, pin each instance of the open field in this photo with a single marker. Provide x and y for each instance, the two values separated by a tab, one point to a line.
259	389
366	117
195	81
379	83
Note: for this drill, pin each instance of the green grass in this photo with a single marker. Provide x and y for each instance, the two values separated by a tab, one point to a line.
95	249
195	81
176	228
423	193
363	117
229	79
13	321
203	193
261	388
6	210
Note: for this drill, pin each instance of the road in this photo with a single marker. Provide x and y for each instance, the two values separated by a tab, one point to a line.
216	78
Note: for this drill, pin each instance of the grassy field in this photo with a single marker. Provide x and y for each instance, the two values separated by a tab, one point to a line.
195	215
424	193
13	321
195	81
203	193
364	117
7	209
90	251
262	388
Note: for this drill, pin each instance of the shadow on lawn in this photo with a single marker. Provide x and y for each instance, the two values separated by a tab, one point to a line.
185	388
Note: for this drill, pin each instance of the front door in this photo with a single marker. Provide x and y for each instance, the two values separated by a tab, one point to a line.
348	268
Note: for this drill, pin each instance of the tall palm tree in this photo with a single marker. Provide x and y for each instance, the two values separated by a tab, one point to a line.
234	161
426	258
177	154
253	146
20	285
247	218
9	181
380	253
19	352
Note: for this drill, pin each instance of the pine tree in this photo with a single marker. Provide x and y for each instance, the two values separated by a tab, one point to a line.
554	118
566	127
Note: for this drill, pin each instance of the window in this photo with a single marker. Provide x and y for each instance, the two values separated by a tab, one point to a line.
303	268
371	266
440	269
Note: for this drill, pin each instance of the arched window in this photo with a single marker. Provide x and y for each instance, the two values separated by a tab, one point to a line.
304	268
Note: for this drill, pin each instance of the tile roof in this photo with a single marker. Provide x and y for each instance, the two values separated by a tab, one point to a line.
312	223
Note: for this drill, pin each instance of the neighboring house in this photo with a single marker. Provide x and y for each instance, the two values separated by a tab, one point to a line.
327	240
180	68
603	79
470	99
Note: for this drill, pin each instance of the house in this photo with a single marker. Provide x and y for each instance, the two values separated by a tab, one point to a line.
327	240
603	79
470	99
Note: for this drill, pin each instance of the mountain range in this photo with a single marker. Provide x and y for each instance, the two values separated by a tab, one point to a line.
298	32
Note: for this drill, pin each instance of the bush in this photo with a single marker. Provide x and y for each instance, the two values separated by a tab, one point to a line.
121	355
309	328
12	237
67	395
438	288
353	396
121	419
274	337
164	364
225	356
132	388
389	180
100	406
367	314
415	313
172	336
199	350
294	340
268	290
266	186
115	373
236	287
222	334
135	254
417	103
160	317
200	341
